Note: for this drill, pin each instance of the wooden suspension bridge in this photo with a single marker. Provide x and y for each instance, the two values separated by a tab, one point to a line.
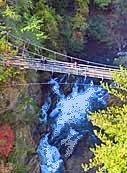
59	67
43	63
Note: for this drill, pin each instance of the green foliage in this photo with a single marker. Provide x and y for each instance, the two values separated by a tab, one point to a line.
11	13
15	159
111	155
109	23
43	22
34	25
79	21
21	22
11	18
2	76
98	28
103	3
82	7
26	5
50	22
75	23
7	74
2	45
120	87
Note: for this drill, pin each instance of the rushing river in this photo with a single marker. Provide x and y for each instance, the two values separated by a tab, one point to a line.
68	122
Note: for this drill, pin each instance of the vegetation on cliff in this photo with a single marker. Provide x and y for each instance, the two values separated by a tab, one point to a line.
111	155
67	25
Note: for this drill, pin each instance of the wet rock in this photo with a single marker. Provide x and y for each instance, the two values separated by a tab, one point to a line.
37	130
81	155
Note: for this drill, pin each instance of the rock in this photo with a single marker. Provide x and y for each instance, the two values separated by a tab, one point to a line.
37	130
34	164
81	155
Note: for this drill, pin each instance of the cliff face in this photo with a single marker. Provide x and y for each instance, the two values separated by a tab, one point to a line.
19	107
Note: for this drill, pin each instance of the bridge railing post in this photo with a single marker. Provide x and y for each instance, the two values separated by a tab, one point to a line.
23	51
52	68
55	55
86	70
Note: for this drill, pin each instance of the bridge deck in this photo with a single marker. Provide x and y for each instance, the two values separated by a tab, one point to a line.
60	67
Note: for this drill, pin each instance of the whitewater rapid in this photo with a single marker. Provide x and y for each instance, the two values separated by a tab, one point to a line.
68	122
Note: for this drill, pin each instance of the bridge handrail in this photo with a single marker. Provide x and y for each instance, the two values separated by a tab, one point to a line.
56	64
67	56
61	64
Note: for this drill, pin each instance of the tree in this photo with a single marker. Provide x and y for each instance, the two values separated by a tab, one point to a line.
75	25
111	155
109	23
51	21
22	23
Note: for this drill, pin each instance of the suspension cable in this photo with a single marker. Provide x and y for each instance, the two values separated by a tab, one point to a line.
46	83
50	60
67	56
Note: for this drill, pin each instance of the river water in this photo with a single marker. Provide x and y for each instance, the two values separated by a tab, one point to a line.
68	122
